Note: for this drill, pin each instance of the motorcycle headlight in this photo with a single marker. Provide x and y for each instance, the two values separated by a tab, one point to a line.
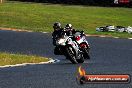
61	41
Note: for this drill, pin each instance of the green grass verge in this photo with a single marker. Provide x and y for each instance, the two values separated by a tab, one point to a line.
40	17
12	59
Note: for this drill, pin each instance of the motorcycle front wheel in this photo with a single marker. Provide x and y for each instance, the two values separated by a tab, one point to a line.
71	54
81	59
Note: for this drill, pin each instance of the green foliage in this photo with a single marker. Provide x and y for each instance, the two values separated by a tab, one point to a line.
12	59
40	17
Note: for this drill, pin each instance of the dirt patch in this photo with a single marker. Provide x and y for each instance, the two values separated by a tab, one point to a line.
13	29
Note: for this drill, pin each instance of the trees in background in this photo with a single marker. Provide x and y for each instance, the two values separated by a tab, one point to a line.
77	2
80	2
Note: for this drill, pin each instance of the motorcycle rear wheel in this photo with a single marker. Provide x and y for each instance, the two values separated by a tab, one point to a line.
86	53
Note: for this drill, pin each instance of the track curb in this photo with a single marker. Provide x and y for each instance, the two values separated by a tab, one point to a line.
102	36
25	64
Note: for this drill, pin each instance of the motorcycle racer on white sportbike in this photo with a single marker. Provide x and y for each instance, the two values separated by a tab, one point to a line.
65	38
79	37
69	48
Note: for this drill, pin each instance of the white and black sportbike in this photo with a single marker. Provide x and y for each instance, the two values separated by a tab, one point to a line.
69	48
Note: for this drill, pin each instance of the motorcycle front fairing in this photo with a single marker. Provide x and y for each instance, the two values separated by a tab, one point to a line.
80	38
72	43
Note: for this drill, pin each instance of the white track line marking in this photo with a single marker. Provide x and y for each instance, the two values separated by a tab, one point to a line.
11	29
24	64
129	38
56	60
116	37
44	32
102	36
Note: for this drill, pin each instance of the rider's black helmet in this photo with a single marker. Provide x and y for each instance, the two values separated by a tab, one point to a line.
57	25
68	26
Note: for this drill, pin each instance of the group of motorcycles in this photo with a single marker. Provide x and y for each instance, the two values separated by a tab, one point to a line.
75	48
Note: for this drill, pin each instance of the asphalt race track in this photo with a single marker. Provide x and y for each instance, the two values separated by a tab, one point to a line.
108	55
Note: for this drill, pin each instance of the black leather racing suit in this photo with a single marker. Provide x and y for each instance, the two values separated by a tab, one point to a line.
56	34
